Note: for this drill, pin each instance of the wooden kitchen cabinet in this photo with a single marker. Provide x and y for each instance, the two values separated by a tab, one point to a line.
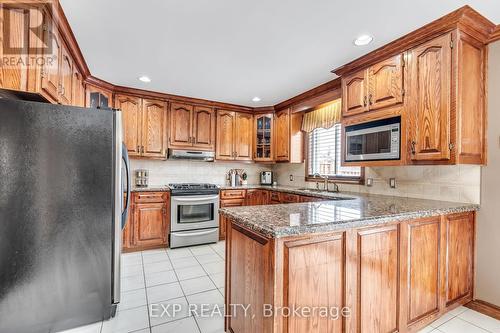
191	127
78	94
354	93
430	86
372	279
234	136
230	198
132	122
274	197
459	231
394	277
204	128
257	197
264	138
144	126
181	117
379	86
148	225
66	77
447	126
289	137
154	129
288	197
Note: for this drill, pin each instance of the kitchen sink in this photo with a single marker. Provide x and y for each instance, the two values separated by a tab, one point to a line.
313	190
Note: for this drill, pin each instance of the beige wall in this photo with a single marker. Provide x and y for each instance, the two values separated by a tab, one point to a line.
165	172
450	183
488	225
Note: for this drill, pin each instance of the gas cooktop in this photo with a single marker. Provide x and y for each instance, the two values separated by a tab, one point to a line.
193	189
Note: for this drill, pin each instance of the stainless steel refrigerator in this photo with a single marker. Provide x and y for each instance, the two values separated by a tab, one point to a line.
62	210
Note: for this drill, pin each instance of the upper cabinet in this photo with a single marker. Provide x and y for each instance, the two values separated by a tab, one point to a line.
446	111
430	111
376	87
264	138
437	87
144	126
234	136
288	137
192	127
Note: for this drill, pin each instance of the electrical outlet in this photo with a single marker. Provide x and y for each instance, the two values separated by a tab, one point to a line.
369	182
392	182
291	178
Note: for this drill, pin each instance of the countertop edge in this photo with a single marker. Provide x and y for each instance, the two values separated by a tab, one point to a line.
339	226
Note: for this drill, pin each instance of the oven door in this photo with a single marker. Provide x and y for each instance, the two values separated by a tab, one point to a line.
364	143
194	212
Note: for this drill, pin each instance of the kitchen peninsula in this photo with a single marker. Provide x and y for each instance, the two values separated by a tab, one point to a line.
396	264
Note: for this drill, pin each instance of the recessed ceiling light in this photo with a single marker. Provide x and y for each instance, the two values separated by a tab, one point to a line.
145	79
256	99
363	40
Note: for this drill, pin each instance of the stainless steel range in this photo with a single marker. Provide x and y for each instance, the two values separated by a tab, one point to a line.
194	214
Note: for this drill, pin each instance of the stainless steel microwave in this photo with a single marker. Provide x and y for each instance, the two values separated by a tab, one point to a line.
373	141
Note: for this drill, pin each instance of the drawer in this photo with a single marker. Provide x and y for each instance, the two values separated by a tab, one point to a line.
274	196
309	199
146	197
233	194
232	202
288	198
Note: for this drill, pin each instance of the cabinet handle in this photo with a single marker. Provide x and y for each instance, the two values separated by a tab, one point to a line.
138	149
142	149
189	139
365	101
413	144
370	99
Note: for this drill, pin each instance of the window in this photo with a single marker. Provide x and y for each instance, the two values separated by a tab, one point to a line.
324	155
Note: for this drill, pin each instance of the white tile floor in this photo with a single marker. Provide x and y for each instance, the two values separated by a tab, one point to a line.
195	275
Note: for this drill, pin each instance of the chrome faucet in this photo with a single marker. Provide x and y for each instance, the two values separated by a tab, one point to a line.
325	180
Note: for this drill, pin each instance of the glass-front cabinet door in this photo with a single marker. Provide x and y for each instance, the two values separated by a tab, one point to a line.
264	136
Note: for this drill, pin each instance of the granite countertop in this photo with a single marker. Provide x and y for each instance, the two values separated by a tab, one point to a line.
151	188
283	220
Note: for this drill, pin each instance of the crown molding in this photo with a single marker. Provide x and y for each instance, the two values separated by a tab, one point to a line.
465	18
495	34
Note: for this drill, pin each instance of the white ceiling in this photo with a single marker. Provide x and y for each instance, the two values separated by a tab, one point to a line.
233	50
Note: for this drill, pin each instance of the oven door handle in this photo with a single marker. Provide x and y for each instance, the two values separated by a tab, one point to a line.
199	233
194	199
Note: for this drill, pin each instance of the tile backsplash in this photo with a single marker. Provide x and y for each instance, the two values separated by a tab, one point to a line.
182	171
451	183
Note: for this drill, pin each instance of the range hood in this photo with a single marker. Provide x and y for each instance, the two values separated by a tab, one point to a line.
177	154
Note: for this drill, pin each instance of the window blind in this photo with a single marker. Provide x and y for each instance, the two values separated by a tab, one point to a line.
324	154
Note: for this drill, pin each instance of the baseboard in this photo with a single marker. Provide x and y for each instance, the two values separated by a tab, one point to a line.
484	308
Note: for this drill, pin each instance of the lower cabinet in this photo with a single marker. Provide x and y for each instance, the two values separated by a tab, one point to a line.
256	197
148	224
396	277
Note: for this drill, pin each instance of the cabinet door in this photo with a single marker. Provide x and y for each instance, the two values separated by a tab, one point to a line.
132	123
283	135
66	79
78	95
264	136
372	290
386	83
256	197
204	128
430	80
225	135
243	136
354	93
421	250
181	125
50	84
460	257
222	227
321	263
150	224
154	129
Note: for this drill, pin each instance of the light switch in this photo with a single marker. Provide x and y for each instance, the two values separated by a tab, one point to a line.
369	182
291	178
392	182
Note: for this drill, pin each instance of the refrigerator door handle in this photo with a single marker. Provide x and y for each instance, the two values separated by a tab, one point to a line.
126	163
